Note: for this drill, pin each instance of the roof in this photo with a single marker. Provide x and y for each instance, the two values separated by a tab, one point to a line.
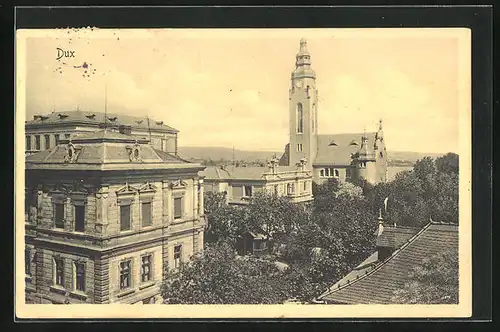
96	118
395	237
242	173
285	157
103	148
376	284
345	145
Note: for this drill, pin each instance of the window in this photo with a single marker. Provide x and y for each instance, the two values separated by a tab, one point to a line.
381	155
47	142
66	136
300	119
146	214
124	217
305	186
299	147
290	189
37	142
248	191
79	218
348	173
237	191
125	274
177	256
80	277
59	271
57	137
146	268
276	191
27	261
178	210
336	172
59	215
322	172
28	143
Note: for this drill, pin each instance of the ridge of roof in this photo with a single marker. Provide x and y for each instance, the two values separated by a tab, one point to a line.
379	266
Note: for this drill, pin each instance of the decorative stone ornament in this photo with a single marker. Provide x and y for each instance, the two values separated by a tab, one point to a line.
72	153
134	152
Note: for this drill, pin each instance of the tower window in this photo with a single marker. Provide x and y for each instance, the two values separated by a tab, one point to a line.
79	218
125	274
300	119
299	147
47	142
381	155
58	272
59	215
177	256
37	142
80	277
125	217
28	143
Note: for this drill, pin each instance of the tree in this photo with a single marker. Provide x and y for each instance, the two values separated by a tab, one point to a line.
218	276
434	281
448	163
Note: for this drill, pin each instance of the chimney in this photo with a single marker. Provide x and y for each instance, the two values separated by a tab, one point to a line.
380	223
126	130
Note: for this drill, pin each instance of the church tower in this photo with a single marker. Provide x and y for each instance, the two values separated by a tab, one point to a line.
303	121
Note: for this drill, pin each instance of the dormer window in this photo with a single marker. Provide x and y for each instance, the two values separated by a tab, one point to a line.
353	143
62	116
139	121
332	143
159	123
90	116
113	119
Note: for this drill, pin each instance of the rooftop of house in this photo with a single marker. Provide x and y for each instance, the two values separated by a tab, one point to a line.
92	118
374	281
337	149
105	150
244	173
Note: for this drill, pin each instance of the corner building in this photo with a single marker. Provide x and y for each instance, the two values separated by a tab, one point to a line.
106	215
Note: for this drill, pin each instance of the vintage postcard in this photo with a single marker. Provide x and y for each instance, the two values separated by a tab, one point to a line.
243	173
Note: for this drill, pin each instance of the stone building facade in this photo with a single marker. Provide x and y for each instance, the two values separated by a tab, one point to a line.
241	183
45	131
348	157
107	215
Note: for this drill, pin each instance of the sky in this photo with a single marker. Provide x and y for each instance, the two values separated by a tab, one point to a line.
228	88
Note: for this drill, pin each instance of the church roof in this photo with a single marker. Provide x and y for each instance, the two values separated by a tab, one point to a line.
105	150
91	118
337	149
374	282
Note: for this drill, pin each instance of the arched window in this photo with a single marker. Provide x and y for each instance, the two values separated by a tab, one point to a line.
300	118
337	173
381	155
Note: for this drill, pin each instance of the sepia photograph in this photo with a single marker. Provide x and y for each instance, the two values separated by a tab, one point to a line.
243	172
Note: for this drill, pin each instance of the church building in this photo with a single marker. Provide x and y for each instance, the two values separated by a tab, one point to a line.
347	157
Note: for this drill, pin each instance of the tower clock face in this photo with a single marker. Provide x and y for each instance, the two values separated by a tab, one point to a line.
299	84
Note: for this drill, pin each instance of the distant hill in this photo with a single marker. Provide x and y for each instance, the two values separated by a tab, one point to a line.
218	153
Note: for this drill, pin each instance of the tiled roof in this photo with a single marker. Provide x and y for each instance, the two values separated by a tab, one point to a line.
242	173
345	145
96	118
378	283
102	148
395	237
